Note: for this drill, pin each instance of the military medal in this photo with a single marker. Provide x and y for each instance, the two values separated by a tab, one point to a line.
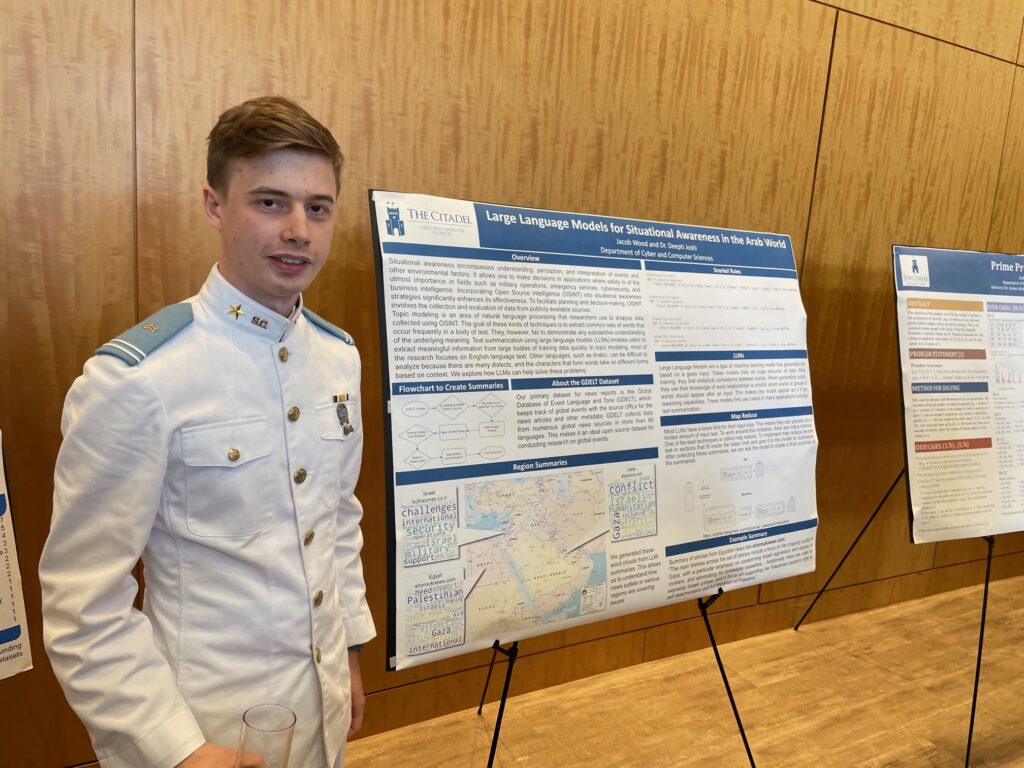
342	411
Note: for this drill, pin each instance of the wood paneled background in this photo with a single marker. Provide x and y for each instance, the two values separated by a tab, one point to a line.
849	125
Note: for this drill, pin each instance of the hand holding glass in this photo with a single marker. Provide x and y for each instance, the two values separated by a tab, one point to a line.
266	737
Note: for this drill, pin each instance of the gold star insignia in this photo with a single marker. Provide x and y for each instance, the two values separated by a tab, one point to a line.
152	327
236	310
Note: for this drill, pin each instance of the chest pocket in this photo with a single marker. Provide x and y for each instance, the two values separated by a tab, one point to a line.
331	423
227	475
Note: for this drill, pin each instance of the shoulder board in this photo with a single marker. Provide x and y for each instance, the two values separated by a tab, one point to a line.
330	328
135	344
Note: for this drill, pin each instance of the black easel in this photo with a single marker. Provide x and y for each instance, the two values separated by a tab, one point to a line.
852	546
981	643
990	540
512	653
704	605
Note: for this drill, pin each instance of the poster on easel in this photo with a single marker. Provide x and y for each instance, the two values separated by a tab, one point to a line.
15	653
960	320
585	416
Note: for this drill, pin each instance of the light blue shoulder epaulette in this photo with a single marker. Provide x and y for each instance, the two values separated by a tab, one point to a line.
330	328
135	344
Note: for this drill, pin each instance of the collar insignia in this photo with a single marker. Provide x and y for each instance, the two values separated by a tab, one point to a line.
236	310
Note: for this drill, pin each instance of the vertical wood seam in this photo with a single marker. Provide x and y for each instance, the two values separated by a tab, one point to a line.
817	152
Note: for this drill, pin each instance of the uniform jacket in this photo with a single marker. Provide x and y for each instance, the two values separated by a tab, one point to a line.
225	457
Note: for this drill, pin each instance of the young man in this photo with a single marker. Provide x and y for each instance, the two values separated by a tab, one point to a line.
220	441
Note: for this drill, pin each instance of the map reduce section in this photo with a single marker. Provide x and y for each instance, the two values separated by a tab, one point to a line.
587	416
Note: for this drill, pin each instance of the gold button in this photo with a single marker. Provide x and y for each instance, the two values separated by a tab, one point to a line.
318	598
233	454
300	475
282	354
316	655
293	413
309	538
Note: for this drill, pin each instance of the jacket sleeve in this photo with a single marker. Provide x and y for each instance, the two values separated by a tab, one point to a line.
107	489
359	627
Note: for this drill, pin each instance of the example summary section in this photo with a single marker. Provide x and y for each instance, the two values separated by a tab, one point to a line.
586	416
960	316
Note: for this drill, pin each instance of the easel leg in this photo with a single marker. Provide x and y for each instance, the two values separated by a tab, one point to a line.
981	644
852	546
512	653
704	605
487	682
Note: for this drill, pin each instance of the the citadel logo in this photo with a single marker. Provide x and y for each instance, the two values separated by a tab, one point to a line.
914	270
394	223
397	218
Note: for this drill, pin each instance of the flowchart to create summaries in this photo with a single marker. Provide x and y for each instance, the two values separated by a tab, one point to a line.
960	316
589	416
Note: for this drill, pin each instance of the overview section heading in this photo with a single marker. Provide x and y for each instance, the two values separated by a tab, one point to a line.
586	416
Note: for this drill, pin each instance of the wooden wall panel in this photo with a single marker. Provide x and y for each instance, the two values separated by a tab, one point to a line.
1006	233
910	149
988	26
705	112
699	112
66	284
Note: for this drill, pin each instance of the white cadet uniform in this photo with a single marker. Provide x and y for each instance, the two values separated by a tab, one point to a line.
227	459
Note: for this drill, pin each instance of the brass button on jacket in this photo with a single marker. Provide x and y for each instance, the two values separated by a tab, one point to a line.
233	454
318	598
300	475
309	538
316	655
282	354
293	413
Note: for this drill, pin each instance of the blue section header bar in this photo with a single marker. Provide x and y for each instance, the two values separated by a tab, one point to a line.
753	354
3	504
947	271
739	538
945	388
507	227
710	269
527	465
710	418
1002	306
441	387
10	635
481	254
573	382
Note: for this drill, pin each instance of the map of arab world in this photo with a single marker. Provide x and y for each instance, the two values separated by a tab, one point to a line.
549	564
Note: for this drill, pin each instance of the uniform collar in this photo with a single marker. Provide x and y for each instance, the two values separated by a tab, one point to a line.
245	314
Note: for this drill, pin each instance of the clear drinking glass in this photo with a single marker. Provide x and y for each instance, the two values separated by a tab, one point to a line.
267	731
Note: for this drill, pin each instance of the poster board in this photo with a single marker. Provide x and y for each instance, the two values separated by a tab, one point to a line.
586	416
960	319
15	653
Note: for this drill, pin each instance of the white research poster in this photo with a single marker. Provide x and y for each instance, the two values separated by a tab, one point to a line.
15	653
960	316
587	416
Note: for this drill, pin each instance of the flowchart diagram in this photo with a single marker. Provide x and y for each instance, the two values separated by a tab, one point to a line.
452	429
718	518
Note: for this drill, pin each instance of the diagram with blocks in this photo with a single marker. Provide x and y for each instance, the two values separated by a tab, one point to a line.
442	430
735	501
